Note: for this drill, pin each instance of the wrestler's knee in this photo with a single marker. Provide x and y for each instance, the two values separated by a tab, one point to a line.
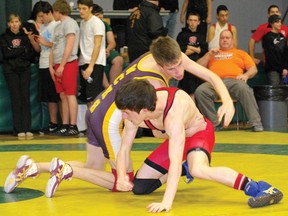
145	186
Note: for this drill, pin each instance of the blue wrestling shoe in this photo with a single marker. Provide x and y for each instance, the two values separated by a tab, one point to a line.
263	194
188	178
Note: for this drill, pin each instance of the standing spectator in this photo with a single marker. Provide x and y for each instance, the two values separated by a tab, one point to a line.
114	60
203	8
33	25
47	90
275	51
170	21
215	30
194	45
144	25
92	58
235	67
119	25
63	66
264	29
17	47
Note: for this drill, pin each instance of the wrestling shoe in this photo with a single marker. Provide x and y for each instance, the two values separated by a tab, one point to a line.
188	177
59	170
25	168
263	194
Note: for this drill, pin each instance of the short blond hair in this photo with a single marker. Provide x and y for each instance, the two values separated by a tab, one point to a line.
13	16
165	50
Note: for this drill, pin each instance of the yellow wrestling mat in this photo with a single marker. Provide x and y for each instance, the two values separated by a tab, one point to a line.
260	156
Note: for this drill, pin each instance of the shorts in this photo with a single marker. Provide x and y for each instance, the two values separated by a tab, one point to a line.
89	91
47	90
113	54
104	129
201	141
68	82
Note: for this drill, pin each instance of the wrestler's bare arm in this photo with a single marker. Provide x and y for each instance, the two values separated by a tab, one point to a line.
123	157
175	129
227	109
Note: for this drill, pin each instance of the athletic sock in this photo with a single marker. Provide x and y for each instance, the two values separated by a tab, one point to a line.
241	181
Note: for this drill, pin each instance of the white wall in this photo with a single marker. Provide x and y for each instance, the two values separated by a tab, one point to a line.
246	15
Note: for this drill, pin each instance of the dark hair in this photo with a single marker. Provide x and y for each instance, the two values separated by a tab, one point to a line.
221	8
46	7
272	6
88	3
136	95
193	13
97	9
36	9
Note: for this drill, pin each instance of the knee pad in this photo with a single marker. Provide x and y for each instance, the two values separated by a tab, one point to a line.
145	186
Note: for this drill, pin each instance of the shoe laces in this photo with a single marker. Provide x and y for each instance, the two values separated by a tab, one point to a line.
27	171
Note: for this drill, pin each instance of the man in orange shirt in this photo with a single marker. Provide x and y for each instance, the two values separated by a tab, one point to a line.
235	67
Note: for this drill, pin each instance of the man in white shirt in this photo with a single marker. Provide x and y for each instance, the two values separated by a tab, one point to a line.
93	55
221	24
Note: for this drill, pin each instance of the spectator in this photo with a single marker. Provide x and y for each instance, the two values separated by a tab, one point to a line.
63	66
17	47
235	67
92	58
114	60
203	8
215	30
47	90
144	25
119	25
33	25
275	51
194	45
170	21
264	29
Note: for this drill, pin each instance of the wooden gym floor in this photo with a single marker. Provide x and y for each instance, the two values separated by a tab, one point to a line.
261	156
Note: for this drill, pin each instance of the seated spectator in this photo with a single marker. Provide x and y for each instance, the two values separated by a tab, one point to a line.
275	47
114	60
264	29
215	29
235	67
194	45
203	8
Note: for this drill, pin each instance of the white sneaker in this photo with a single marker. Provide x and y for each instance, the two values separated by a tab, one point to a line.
29	134
25	168
59	170
22	134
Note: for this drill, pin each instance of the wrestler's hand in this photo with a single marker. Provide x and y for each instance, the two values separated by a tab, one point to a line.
227	111
158	207
123	184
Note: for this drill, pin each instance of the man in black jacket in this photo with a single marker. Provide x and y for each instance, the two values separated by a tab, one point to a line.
119	24
144	25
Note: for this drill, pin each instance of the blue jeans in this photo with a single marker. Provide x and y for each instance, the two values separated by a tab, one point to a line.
169	22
